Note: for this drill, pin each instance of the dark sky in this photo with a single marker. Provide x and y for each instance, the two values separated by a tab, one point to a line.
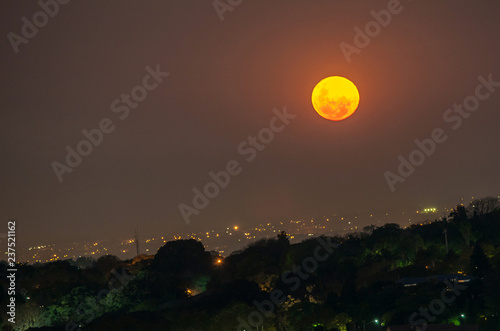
225	79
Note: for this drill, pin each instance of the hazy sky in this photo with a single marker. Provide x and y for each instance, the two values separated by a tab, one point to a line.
225	78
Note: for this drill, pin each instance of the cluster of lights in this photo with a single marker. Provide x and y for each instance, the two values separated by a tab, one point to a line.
37	247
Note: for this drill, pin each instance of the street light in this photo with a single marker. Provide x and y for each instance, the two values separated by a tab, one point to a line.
218	262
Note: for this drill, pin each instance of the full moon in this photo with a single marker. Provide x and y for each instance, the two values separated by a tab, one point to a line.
335	98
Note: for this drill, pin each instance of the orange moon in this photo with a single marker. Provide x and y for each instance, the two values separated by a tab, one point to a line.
335	98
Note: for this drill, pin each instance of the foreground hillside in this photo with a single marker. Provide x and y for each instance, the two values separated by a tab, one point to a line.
446	271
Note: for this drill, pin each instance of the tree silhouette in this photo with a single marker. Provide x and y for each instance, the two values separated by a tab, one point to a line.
479	264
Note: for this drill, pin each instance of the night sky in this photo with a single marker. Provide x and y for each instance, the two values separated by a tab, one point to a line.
224	80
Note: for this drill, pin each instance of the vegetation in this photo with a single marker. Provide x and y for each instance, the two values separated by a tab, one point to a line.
355	282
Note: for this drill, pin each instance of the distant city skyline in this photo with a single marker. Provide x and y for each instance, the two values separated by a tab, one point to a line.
236	236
